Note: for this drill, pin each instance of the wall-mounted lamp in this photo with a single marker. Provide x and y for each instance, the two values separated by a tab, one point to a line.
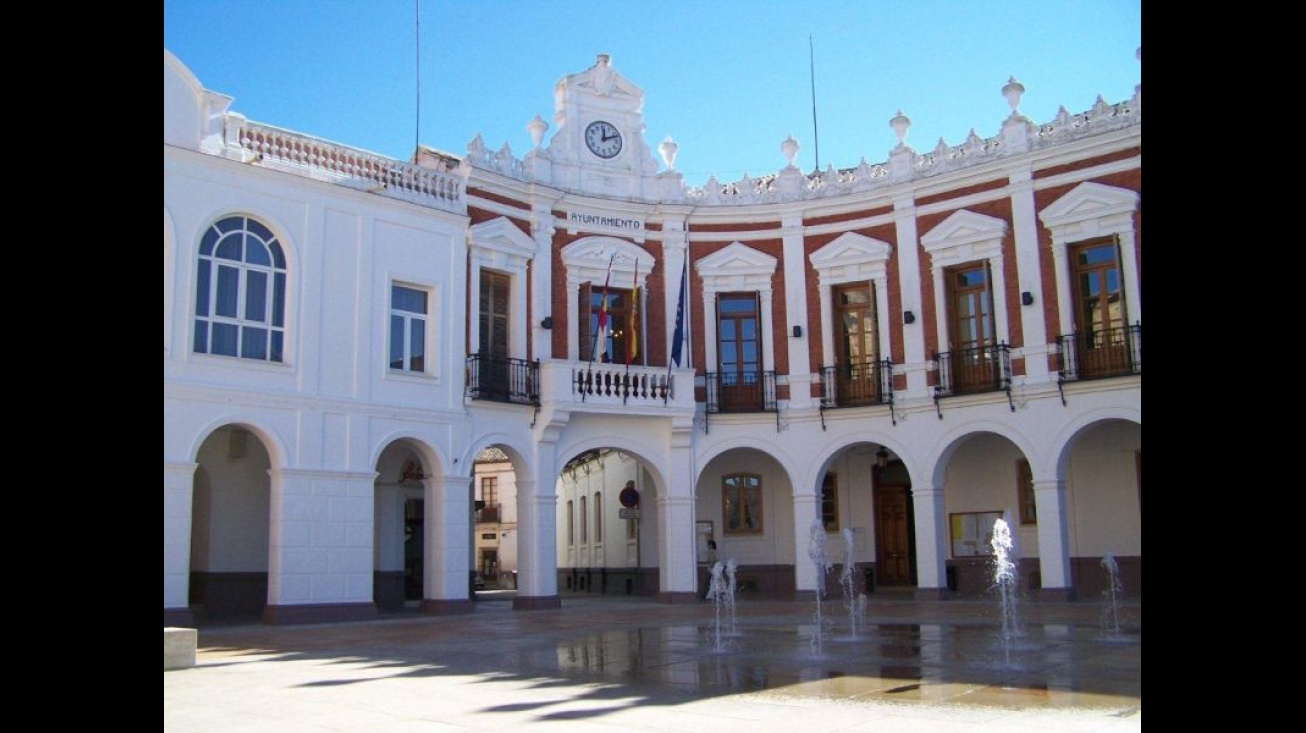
908	317
882	457
798	332
1027	298
547	322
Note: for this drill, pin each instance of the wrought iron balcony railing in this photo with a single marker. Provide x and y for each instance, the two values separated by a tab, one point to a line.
741	391
973	370
1111	352
503	380
854	385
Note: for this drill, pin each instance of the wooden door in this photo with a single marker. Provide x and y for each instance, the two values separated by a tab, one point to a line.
893	517
1100	336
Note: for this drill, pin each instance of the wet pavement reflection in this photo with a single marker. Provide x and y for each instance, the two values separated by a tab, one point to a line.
604	659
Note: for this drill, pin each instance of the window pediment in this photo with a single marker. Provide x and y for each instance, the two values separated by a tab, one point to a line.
737	267
1089	200
501	242
963	237
587	260
850	257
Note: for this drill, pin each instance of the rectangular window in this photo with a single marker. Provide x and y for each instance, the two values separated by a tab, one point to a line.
598	518
830	503
741	503
584	523
571	524
408	317
490	490
1025	489
610	345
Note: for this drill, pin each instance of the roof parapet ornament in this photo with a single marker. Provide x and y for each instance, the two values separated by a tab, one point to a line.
789	146
1013	91
668	149
536	128
900	124
603	74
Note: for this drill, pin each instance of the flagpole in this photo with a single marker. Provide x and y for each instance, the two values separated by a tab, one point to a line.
594	345
631	336
678	333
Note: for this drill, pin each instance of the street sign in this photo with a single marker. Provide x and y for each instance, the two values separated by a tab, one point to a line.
628	513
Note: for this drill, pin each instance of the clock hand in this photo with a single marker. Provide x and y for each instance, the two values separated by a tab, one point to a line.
607	137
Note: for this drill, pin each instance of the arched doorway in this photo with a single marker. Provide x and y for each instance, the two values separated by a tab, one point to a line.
230	520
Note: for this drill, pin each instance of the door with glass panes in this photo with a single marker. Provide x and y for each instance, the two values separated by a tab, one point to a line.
739	353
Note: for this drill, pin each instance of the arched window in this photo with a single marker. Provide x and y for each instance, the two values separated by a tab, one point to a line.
240	291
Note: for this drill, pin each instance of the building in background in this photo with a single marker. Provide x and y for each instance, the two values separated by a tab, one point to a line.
892	357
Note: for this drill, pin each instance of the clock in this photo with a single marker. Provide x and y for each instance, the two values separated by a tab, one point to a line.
603	139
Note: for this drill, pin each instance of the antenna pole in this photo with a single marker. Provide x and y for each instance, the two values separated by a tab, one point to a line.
816	139
417	126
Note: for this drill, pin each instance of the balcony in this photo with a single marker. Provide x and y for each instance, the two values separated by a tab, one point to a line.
579	386
514	381
857	385
974	370
489	514
1112	352
741	391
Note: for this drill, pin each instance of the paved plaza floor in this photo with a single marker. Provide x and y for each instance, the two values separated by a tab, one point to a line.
603	663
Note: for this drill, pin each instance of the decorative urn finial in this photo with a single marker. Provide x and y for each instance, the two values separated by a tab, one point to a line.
790	148
536	128
900	124
1012	92
668	149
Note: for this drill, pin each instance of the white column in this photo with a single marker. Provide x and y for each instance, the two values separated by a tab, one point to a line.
1053	537
677	558
931	538
795	270
178	495
542	282
446	557
807	509
537	537
1029	276
909	279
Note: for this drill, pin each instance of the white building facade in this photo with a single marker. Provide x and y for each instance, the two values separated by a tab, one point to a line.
901	354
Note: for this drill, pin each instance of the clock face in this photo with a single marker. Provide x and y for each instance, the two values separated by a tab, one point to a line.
603	139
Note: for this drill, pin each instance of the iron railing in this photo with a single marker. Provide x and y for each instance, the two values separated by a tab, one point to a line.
854	385
974	370
1110	352
503	380
741	391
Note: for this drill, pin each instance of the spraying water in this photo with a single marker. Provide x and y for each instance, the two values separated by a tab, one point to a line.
816	551
717	591
1111	614
731	567
856	602
1004	577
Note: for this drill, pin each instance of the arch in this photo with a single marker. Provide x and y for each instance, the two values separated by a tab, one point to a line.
428	450
272	442
1064	439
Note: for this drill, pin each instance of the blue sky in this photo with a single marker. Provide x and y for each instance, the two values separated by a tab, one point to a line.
727	80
